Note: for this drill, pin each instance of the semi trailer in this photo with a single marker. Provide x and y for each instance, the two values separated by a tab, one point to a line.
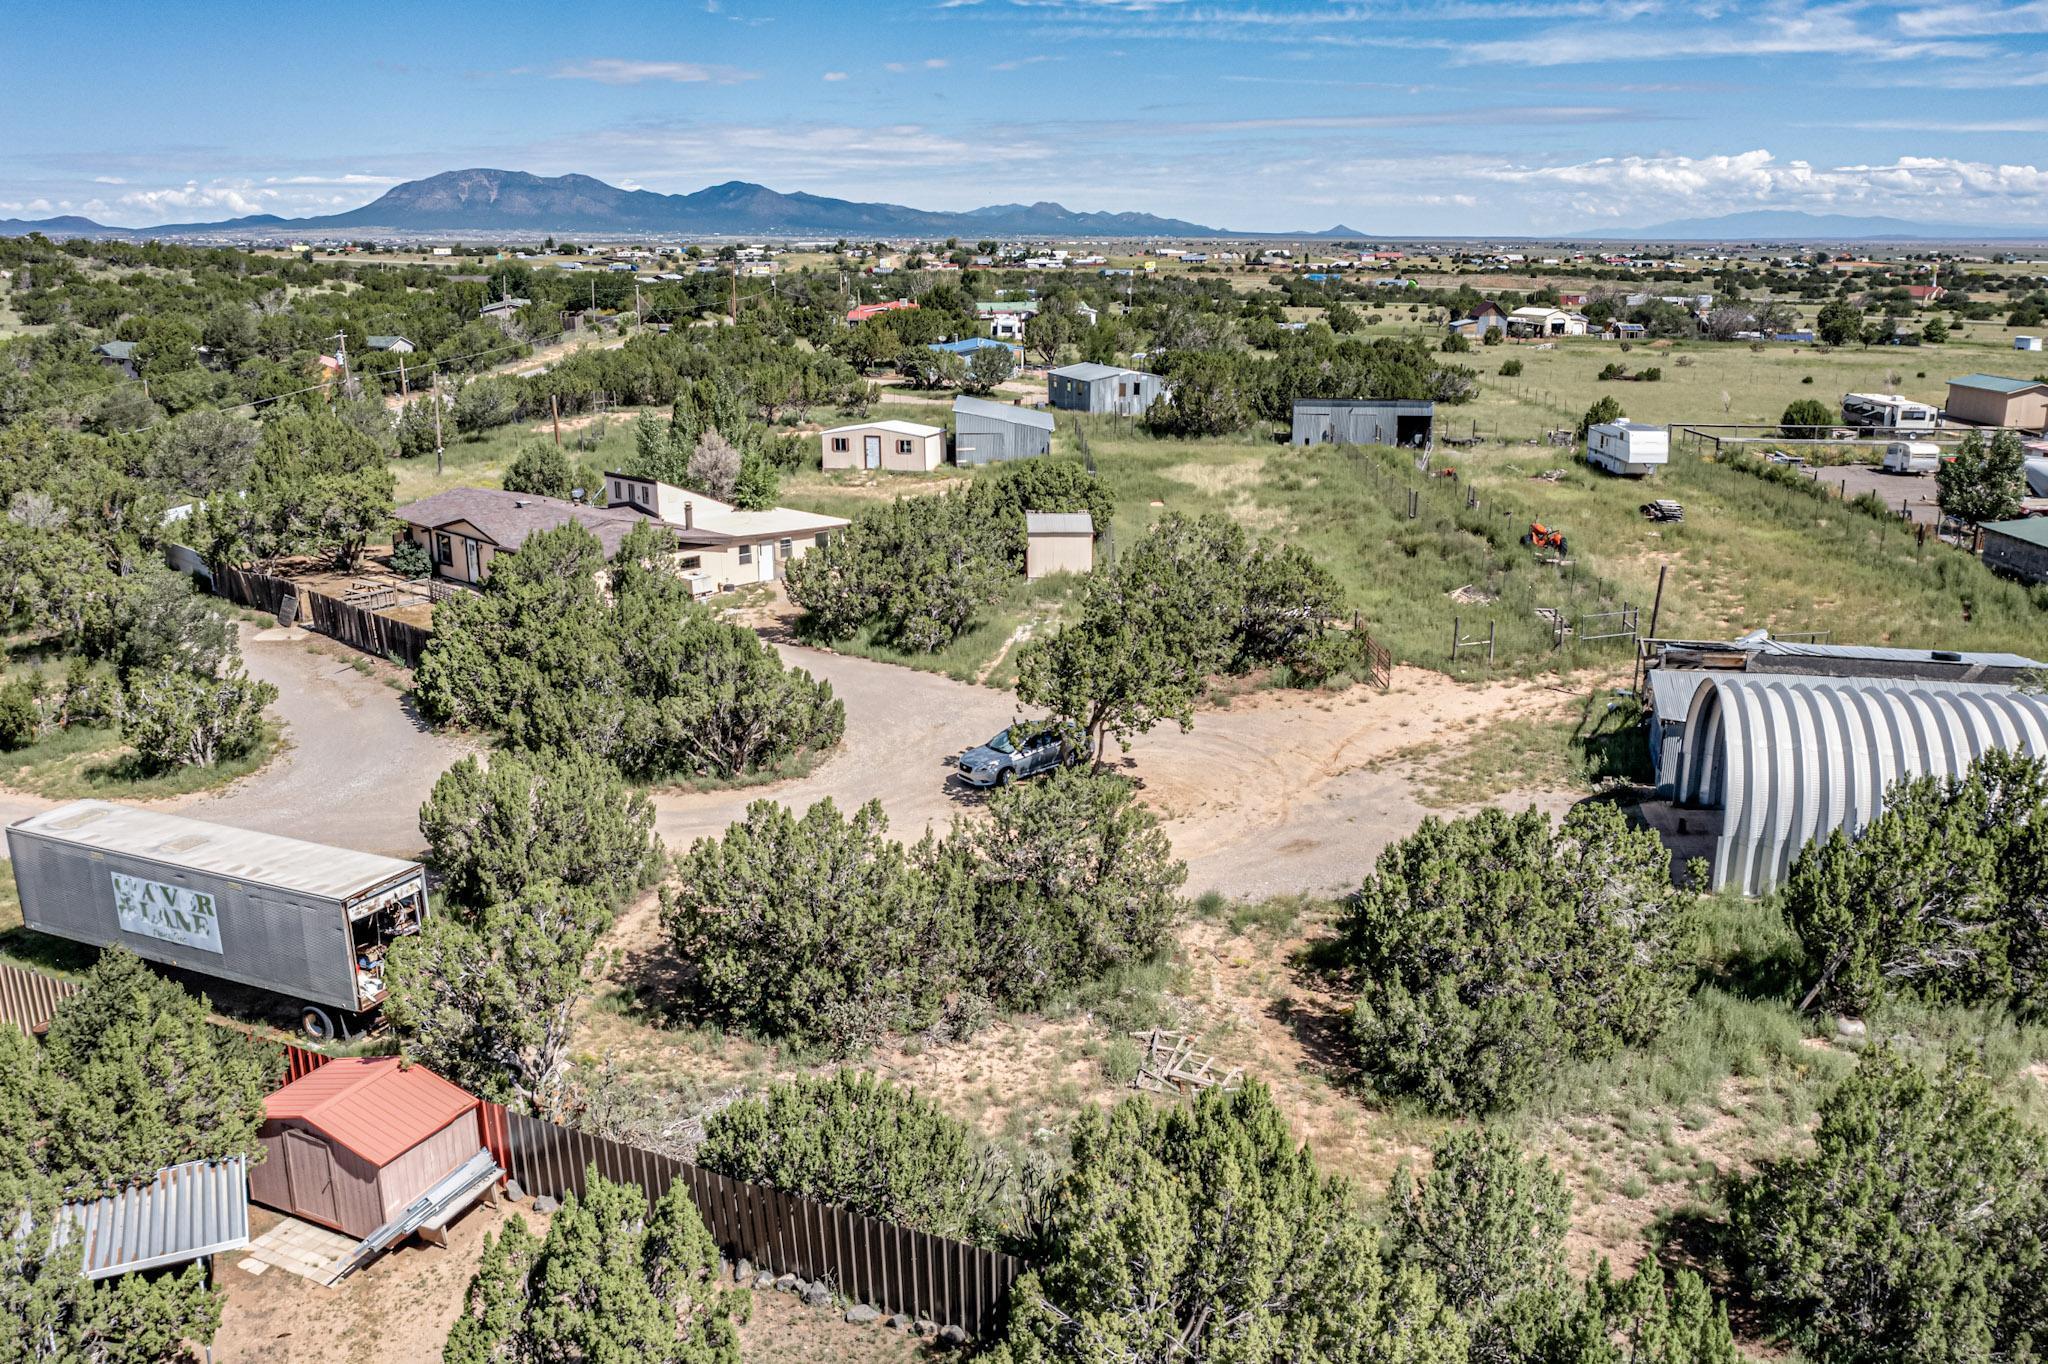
302	920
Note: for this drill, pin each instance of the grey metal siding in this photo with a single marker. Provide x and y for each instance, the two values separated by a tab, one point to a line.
187	1212
1351	422
988	440
289	942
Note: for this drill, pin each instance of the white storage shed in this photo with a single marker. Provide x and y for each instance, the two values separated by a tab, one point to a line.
1622	447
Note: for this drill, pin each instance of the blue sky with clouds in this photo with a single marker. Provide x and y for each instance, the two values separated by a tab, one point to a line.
1522	116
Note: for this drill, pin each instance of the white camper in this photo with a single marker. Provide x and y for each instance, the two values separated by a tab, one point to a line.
1888	412
1624	448
1912	457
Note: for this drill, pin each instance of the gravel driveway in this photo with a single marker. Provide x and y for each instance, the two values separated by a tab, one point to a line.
1279	792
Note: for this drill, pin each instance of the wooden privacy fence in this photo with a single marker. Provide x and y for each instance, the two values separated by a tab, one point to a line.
28	998
891	1268
352	625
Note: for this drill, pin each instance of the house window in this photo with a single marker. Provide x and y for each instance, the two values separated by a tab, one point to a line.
902	447
746	554
819	539
786	545
444	549
690	561
841	444
618	491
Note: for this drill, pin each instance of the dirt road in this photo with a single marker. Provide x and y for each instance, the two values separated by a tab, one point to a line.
357	761
1276	793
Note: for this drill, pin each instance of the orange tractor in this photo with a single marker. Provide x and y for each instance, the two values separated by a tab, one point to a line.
1541	536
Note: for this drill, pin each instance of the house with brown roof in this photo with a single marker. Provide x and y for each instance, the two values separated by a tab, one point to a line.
717	546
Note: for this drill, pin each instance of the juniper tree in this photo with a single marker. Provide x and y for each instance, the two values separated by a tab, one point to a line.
1488	951
1205	1233
856	1140
489	999
613	1280
1917	1227
566	817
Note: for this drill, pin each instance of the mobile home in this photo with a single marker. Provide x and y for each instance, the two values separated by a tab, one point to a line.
1625	448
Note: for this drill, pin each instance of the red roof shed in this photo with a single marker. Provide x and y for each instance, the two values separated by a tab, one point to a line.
354	1142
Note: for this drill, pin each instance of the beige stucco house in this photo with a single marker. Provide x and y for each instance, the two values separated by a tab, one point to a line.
897	446
718	546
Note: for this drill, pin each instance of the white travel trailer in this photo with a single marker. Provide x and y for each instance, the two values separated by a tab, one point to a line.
1888	412
1912	457
1624	448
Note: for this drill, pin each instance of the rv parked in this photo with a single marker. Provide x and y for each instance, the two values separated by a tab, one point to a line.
1912	457
1888	412
301	920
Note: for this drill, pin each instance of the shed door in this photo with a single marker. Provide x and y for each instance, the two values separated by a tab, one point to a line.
871	451
311	1168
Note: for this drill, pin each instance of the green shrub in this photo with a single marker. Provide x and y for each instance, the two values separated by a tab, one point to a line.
21	712
175	718
410	560
1510	369
1917	1228
1489	951
873	1148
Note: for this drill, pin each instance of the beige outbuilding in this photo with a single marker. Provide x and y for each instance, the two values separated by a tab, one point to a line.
1058	542
1992	400
899	447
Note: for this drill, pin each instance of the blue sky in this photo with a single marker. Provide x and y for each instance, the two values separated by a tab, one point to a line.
1523	116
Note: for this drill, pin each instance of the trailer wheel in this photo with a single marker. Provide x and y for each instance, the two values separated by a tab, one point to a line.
315	1022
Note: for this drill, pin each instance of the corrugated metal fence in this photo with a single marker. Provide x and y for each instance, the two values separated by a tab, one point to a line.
879	1263
352	625
28	998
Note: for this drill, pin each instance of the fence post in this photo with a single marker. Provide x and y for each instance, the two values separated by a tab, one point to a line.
1457	633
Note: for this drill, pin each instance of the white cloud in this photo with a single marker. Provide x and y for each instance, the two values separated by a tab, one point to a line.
625	71
928	64
234	199
1985	20
108	180
835	75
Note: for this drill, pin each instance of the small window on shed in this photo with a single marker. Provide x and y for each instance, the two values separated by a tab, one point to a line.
841	444
746	554
902	447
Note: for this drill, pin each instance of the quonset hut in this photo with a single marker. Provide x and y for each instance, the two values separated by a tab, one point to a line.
1787	759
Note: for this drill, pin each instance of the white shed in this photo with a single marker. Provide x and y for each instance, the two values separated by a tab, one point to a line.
2026	343
1058	542
1622	447
898	446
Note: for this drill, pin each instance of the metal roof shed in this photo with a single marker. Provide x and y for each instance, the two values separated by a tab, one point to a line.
188	1212
985	432
351	1144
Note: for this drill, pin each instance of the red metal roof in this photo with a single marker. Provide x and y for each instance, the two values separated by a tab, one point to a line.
373	1105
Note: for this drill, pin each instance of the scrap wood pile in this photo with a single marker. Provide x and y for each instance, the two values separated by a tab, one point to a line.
1663	509
1171	1066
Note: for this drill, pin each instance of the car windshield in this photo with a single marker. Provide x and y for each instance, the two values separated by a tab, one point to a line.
1001	743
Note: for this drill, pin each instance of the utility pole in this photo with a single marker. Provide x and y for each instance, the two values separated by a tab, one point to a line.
404	389
435	397
735	291
555	407
341	354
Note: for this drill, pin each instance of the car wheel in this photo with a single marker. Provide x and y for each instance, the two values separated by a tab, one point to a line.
315	1024
1008	777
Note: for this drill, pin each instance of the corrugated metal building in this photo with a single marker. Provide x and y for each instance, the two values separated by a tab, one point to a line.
188	1212
1788	759
1103	389
1994	400
2018	549
986	432
1406	422
351	1144
1679	667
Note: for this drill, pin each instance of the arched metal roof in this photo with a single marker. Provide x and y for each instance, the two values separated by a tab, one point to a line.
1790	759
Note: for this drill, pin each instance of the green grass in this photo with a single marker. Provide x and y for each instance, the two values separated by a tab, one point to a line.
1589	744
69	764
990	644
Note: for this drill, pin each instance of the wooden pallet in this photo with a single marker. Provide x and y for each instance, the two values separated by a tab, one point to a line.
1171	1066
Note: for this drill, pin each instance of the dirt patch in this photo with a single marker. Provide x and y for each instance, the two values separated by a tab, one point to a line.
782	1328
398	1310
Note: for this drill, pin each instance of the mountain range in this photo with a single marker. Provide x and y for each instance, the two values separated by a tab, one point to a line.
499	202
1787	225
